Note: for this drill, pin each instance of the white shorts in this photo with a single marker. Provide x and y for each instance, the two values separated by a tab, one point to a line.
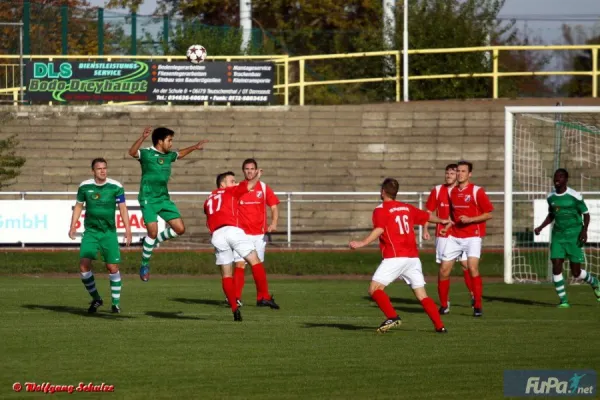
228	239
260	244
456	246
440	244
408	269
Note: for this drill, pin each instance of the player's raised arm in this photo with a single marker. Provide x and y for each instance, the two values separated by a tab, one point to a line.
135	147
198	146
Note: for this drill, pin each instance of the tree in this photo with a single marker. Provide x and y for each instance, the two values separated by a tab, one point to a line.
579	86
10	163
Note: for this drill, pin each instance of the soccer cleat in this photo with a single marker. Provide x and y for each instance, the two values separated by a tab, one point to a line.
389	324
144	273
563	305
237	315
116	309
597	292
477	312
267	303
442	330
94	305
444	310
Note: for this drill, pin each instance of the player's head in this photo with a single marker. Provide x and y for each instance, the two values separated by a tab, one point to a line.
99	168
249	168
389	189
463	171
162	139
225	180
451	174
561	178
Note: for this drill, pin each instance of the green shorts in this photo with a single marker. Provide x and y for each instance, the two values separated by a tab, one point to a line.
566	246
106	243
167	210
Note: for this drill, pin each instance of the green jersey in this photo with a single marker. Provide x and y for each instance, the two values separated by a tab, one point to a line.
100	203
567	209
156	171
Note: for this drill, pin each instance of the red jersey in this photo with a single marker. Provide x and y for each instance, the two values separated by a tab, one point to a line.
252	209
398	220
221	206
471	201
439	201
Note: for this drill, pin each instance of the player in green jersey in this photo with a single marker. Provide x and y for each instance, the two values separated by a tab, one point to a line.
154	194
569	233
100	195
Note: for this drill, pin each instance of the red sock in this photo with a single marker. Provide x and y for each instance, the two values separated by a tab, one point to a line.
443	291
477	291
468	280
384	303
239	276
260	279
432	311
229	289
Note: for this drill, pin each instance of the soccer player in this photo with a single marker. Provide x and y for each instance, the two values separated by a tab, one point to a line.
569	233
393	224
252	218
439	202
100	195
470	209
226	237
154	195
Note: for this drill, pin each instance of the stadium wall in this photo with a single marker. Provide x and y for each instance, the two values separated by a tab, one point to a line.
313	148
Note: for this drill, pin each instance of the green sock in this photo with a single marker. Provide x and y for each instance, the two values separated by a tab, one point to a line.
90	284
147	248
115	287
588	278
559	285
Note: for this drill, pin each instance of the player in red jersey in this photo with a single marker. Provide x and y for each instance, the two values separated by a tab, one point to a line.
252	218
221	218
439	202
393	224
470	209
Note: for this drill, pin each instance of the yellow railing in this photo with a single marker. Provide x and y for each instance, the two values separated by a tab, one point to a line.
283	63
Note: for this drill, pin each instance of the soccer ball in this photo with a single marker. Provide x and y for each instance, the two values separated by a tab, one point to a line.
196	54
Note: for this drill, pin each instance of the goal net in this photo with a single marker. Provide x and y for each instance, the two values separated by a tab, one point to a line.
543	139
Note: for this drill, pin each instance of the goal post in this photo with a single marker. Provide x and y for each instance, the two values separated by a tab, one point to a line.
538	140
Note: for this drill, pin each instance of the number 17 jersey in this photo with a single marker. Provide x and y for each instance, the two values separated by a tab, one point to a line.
398	221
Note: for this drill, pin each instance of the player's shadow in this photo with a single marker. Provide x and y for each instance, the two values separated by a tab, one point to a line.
75	311
171	315
344	327
514	300
208	302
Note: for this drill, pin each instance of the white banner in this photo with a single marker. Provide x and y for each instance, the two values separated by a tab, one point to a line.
540	211
48	221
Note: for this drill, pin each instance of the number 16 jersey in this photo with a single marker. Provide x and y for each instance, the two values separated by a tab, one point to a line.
398	221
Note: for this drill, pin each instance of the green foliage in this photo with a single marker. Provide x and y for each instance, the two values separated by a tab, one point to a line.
579	86
10	163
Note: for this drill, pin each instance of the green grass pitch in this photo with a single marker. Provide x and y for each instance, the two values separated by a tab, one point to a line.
176	339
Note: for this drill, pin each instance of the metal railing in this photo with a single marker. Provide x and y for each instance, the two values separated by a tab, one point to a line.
284	63
287	199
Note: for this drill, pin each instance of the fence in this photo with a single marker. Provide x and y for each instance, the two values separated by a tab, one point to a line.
363	204
287	67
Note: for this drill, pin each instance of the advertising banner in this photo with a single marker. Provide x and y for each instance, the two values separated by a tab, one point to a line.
48	221
540	211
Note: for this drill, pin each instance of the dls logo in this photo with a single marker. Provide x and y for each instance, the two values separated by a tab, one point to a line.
161	161
554	386
96	196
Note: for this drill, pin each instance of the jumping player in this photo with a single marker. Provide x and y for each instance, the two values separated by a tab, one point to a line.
154	195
